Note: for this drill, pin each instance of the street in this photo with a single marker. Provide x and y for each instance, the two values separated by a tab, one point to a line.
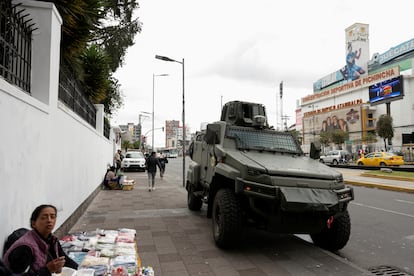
382	229
382	226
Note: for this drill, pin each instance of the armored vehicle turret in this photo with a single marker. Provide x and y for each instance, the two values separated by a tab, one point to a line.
249	174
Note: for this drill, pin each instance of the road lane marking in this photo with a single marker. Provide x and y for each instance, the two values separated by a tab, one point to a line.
381	209
404	201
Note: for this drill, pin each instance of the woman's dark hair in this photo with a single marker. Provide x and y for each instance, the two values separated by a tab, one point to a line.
39	209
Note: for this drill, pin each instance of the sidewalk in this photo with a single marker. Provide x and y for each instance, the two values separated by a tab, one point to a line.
175	241
356	178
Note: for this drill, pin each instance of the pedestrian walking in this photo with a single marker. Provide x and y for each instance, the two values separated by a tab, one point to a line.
151	164
117	159
163	160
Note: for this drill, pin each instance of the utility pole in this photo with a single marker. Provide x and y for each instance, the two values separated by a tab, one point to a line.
281	104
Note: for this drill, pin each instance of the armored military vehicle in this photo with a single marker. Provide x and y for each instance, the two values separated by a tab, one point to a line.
249	174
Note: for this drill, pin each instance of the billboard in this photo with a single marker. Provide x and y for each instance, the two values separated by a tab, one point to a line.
357	51
356	58
346	119
387	90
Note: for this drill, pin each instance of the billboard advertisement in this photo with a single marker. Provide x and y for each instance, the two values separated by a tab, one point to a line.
356	58
357	51
346	119
385	91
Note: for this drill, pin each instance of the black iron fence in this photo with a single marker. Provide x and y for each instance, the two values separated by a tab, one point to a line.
107	128
15	45
70	93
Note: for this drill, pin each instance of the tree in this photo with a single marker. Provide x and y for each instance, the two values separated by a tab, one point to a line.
126	145
325	138
136	145
385	129
95	37
99	84
295	134
338	136
370	138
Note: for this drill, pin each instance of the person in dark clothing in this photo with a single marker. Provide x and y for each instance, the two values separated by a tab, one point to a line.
151	164
163	160
38	251
111	181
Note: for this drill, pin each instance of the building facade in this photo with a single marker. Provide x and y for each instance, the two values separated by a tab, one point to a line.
131	132
354	97
171	133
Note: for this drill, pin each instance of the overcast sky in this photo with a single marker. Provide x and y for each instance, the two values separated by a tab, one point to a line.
242	50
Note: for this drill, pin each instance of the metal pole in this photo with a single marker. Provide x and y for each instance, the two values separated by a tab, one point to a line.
184	128
183	119
153	85
281	104
140	131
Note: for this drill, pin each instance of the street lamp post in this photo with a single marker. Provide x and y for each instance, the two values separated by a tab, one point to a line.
183	115
153	97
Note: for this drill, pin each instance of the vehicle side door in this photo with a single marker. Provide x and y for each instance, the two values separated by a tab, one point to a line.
378	158
328	157
212	138
332	156
369	159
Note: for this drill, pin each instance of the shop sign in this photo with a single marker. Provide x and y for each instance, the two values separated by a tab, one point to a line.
396	51
332	108
353	85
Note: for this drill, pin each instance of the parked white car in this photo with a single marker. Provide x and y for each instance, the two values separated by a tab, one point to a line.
133	160
335	157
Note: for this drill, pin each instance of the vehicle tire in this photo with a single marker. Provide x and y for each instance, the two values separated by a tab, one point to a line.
360	164
321	161
335	162
337	236
382	164
194	203
227	219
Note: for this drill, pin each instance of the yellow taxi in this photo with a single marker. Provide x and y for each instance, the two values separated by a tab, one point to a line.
381	159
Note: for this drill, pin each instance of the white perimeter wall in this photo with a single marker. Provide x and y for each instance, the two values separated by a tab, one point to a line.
48	154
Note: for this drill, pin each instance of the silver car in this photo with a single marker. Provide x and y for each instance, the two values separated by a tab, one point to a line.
335	157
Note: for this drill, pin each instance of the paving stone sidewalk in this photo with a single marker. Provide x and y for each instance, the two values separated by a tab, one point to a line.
176	241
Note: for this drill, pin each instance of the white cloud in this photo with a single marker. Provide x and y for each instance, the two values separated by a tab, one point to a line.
242	50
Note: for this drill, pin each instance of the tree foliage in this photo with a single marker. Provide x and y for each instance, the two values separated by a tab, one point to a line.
136	145
370	138
325	138
338	136
126	144
385	129
95	37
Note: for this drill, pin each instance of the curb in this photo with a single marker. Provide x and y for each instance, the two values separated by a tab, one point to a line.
380	186
401	178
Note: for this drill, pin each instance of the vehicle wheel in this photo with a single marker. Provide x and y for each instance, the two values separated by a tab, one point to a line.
321	161
337	236
382	164
227	219
360	164
335	162
194	203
